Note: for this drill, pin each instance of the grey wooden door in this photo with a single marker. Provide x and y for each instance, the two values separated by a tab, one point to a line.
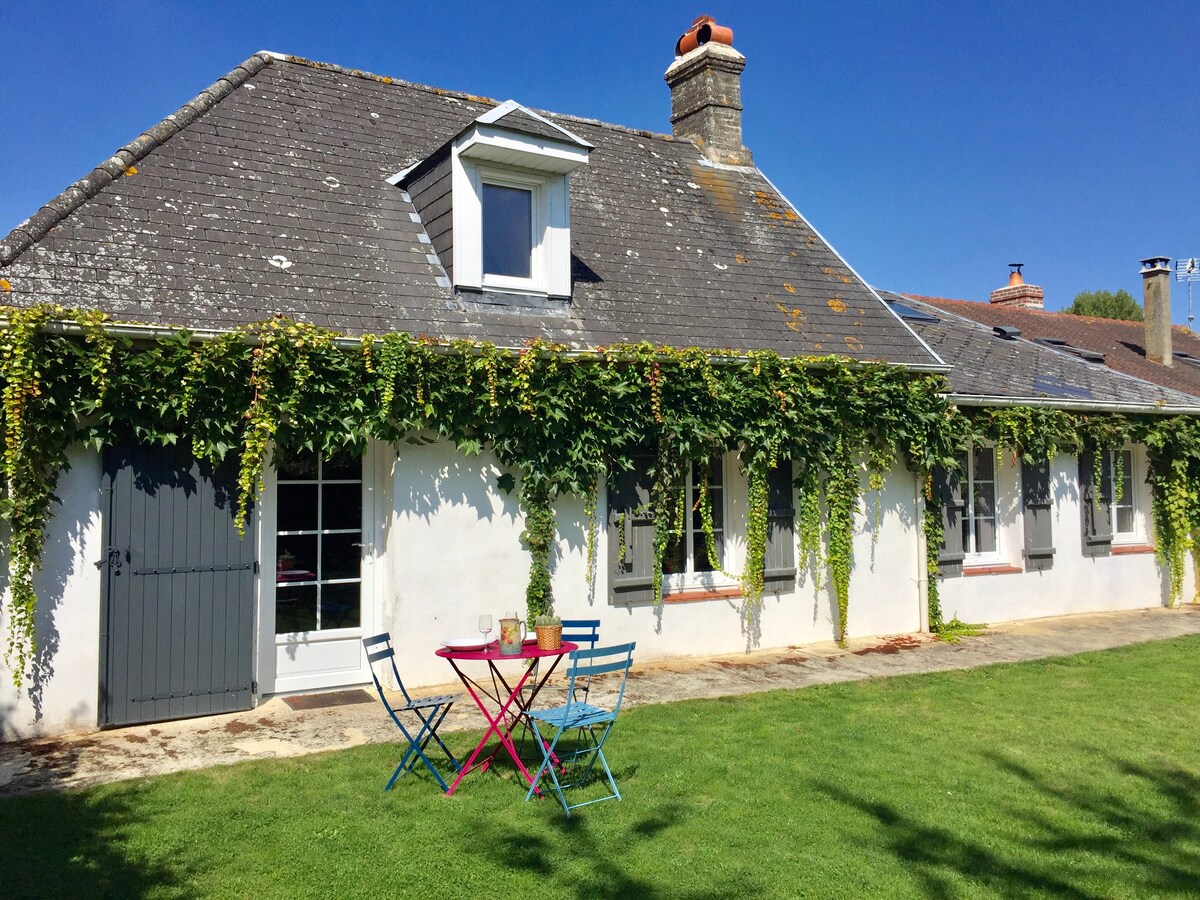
178	624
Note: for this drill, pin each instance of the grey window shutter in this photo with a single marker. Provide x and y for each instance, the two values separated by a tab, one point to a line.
631	530
779	570
1096	504
1038	512
947	486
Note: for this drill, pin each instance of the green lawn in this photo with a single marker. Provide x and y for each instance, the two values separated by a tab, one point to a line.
1076	777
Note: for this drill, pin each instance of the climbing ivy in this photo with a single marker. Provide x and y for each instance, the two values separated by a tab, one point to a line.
563	421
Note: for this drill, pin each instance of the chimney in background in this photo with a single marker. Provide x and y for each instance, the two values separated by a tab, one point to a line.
706	92
1017	292
1156	298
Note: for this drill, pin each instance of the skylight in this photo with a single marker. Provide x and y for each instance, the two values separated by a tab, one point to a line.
1053	386
911	314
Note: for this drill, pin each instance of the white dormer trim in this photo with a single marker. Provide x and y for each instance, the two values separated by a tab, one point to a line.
499	112
486	154
500	145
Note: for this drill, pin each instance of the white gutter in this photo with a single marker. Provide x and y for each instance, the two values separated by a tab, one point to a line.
1161	409
199	335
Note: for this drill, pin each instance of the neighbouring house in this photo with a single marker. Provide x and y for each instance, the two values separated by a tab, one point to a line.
1050	536
1153	350
372	206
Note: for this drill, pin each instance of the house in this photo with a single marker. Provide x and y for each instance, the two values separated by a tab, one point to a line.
427	230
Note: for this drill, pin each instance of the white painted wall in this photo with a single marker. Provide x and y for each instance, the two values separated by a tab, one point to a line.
448	548
1075	583
64	695
454	552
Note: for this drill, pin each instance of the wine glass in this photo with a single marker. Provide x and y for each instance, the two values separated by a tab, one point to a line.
485	627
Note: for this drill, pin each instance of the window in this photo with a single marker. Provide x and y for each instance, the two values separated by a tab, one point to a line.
507	231
689	554
1124	497
318	526
980	536
687	565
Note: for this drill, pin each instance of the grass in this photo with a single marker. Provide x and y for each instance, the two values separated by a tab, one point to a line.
1074	777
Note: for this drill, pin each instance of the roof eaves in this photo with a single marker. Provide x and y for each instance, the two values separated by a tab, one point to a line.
38	225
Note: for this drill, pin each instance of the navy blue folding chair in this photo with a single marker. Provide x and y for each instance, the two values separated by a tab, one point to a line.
430	711
585	633
571	767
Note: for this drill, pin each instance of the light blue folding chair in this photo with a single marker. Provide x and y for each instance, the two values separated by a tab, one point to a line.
592	723
586	634
430	711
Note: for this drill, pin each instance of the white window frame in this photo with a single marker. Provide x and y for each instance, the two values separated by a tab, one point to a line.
1130	500
970	556
681	581
537	187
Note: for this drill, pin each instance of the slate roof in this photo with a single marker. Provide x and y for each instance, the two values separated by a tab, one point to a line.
987	365
1121	342
268	194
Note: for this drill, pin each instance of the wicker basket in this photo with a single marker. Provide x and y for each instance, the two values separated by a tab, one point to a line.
549	636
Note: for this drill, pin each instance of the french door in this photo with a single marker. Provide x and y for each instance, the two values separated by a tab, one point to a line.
317	593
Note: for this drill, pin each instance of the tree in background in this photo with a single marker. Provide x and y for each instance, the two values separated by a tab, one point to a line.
1107	305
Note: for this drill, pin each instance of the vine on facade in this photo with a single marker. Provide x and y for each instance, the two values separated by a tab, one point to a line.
564	421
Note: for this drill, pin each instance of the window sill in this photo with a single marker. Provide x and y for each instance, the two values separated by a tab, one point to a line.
1123	549
696	595
1002	569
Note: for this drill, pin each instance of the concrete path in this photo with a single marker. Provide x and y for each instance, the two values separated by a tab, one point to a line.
275	730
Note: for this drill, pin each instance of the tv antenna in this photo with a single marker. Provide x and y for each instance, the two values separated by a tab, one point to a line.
1188	270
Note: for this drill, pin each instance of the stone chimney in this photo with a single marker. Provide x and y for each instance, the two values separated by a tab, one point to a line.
1017	292
1156	298
706	92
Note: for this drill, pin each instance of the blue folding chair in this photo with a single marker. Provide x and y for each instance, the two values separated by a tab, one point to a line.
429	710
592	723
585	633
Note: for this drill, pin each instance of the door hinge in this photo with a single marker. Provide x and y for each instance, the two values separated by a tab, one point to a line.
254	687
256	567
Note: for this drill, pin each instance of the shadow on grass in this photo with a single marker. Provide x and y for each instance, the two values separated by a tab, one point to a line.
1133	832
73	844
540	846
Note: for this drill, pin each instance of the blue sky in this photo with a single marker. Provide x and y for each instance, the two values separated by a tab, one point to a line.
930	142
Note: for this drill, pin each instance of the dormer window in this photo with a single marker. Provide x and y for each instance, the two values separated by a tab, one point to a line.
507	231
504	224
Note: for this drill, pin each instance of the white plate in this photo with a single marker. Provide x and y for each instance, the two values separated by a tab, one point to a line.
464	644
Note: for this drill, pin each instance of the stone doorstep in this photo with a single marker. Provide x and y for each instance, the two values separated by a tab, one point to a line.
273	729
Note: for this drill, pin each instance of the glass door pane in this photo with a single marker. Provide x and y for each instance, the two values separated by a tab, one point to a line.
318	566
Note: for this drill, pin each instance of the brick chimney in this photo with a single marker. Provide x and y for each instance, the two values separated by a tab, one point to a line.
1156	298
706	92
1017	292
